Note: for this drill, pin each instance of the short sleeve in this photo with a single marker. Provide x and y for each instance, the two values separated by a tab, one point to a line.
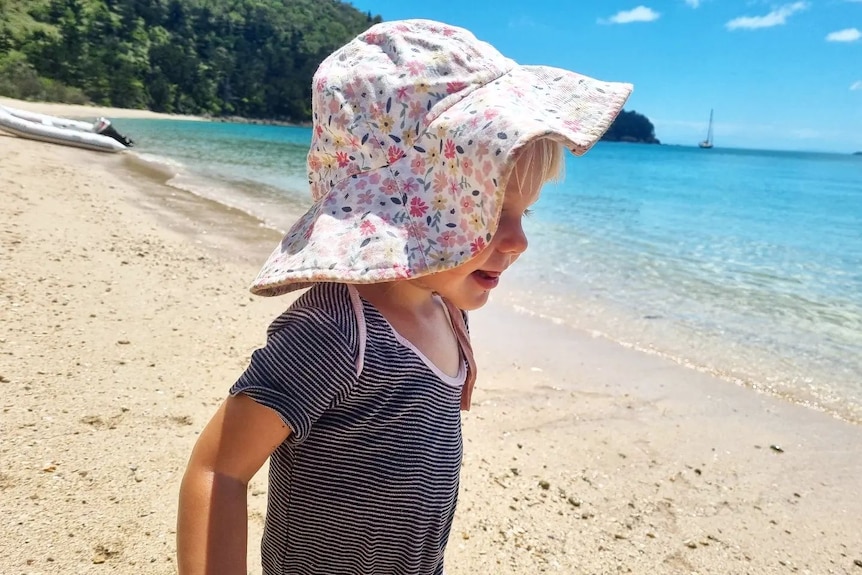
306	367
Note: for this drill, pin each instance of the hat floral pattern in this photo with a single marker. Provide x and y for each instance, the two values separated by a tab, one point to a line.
416	125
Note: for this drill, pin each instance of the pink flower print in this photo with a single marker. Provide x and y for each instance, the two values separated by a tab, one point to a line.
314	162
366	228
375	110
449	149
467	166
318	130
342	159
477	245
440	182
454	187
466	204
353	168
481	150
365	198
448	31
448	238
401	271
372	38
418	165
374	178
349	92
402	92
491	113
486	168
340	121
573	125
415	67
395	154
417	110
452	87
417	207
353	141
334	106
409	186
389	187
321	83
361	183
421	230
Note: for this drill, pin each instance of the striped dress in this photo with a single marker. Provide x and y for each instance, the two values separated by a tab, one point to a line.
367	482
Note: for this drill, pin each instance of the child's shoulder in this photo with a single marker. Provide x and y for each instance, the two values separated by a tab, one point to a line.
326	307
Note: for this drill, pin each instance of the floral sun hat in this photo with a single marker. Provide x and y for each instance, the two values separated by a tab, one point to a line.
415	129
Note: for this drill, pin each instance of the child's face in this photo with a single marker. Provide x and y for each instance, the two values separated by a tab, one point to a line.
469	285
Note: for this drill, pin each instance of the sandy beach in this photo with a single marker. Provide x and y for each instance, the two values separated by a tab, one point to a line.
126	317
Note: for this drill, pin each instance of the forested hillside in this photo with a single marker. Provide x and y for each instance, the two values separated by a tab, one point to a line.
249	58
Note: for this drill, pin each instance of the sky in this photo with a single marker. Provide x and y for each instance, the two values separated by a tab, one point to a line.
779	75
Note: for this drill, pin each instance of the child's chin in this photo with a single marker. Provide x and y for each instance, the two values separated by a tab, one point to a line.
472	303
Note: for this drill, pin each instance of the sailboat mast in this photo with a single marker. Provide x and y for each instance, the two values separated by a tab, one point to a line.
707	143
709	131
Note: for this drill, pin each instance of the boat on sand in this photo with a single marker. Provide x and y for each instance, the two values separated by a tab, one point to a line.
99	135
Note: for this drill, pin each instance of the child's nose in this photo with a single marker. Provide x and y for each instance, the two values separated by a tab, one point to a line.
513	239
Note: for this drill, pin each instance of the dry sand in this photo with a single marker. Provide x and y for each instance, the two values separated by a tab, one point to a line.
126	317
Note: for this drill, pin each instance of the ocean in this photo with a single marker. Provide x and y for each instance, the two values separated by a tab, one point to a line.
745	264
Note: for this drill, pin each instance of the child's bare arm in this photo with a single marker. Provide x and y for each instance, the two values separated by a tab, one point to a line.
212	523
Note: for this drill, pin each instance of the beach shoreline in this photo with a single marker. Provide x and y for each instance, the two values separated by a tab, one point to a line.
128	317
76	111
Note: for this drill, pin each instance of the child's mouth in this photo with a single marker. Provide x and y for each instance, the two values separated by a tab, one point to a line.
486	279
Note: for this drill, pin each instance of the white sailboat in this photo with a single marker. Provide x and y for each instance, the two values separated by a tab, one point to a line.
707	143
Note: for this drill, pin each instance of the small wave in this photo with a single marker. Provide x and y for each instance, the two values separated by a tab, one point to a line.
153	166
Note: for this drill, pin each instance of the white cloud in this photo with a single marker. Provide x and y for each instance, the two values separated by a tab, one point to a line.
639	14
696	3
846	35
857	85
775	18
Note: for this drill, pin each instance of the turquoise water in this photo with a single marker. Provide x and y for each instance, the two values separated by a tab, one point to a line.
746	264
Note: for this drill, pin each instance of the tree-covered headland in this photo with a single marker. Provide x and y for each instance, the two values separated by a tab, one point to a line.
237	58
630	126
250	58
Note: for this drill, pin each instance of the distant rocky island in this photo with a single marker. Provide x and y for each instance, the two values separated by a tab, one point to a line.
631	127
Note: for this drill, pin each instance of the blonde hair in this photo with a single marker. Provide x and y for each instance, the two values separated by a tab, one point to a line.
543	158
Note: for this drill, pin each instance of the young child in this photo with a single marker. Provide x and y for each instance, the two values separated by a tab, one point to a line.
428	149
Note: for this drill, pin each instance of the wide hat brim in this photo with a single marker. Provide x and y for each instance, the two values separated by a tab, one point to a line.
437	204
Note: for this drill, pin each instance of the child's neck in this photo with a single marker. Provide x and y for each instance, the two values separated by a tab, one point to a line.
400	299
417	315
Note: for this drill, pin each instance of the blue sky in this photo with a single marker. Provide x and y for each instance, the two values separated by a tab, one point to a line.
782	75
